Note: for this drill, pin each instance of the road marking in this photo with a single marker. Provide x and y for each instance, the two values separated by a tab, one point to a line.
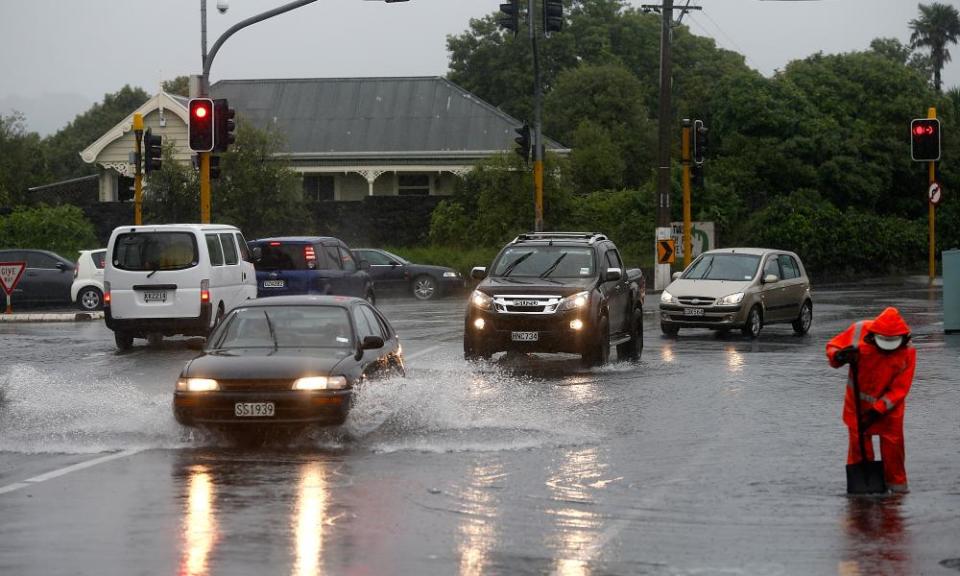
67	470
422	352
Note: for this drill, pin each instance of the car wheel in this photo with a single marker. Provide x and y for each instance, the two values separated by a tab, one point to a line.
123	340
802	324
631	349
371	297
598	352
424	287
669	329
754	322
90	299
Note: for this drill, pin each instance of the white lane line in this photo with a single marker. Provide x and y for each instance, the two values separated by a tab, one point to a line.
421	352
67	470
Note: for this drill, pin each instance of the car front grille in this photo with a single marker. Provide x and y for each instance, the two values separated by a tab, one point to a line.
519	304
696	300
255	385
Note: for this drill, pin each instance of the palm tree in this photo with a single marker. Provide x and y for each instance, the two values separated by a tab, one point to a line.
937	26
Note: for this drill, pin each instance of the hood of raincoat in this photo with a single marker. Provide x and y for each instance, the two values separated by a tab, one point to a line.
890	323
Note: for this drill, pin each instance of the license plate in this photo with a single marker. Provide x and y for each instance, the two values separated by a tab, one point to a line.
525	336
253	409
693	311
155	296
273	283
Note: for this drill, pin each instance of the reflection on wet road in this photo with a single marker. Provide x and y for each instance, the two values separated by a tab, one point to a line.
712	455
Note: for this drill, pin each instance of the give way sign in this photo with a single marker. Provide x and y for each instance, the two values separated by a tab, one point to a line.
10	273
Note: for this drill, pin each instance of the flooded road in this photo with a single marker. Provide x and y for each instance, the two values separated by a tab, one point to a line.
713	455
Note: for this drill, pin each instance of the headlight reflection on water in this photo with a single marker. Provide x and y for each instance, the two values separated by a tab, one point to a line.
200	526
310	517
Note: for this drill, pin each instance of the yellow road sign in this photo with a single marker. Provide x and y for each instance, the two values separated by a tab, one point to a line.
666	251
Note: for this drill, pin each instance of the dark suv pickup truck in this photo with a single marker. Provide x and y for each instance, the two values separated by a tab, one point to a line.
556	292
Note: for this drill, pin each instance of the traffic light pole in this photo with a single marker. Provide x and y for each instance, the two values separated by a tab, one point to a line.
138	173
537	129
687	224
932	209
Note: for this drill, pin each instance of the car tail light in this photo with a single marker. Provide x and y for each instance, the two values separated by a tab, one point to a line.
76	269
308	253
274	243
106	293
204	291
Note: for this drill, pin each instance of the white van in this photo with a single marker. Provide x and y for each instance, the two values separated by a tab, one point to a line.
170	279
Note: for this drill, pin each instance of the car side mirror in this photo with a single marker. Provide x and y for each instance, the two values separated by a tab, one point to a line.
257	253
677	275
478	272
771	279
372	343
613	275
364	265
61	266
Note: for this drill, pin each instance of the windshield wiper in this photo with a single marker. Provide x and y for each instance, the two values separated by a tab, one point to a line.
553	266
707	270
273	333
515	263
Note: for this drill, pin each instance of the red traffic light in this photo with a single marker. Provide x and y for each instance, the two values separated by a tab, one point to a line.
200	130
925	139
200	111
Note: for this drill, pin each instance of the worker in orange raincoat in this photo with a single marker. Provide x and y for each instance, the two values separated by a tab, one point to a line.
886	361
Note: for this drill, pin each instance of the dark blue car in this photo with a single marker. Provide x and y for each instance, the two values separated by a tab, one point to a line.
292	265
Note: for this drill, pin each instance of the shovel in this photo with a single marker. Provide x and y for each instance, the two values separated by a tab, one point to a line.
866	476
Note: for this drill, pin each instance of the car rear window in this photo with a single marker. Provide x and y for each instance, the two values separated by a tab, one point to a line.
155	251
282	256
286	327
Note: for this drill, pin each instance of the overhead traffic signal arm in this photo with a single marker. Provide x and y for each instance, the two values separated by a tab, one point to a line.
201	133
925	139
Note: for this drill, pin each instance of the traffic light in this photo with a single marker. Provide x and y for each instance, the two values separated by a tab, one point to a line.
214	166
699	142
523	142
152	152
510	16
201	124
552	15
224	125
925	139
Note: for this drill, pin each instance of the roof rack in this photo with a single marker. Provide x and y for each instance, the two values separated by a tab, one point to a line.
591	236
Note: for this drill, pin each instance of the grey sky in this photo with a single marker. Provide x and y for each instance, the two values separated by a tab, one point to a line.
57	57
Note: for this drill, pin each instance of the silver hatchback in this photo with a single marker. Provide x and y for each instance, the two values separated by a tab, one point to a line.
745	288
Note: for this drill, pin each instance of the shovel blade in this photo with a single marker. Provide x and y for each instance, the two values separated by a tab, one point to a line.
866	478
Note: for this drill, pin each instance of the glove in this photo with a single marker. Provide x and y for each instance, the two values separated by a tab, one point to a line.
846	355
869	418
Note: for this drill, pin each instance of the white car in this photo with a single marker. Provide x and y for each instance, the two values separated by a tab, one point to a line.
87	288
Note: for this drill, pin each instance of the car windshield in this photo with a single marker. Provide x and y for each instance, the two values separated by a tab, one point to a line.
732	267
545	261
155	251
286	327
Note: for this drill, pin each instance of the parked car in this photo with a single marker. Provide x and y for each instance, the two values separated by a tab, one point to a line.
170	279
744	288
309	265
287	360
46	279
397	274
557	292
87	288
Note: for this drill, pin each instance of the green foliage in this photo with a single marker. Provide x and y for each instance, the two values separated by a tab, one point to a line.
64	147
625	216
61	229
172	194
179	86
258	192
22	160
937	26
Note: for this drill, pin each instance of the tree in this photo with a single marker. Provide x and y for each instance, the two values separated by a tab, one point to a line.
173	194
179	86
22	160
937	26
64	147
61	229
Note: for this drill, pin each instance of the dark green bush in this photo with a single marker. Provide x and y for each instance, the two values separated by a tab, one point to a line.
61	229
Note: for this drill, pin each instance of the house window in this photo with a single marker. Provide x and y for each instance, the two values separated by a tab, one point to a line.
413	184
318	187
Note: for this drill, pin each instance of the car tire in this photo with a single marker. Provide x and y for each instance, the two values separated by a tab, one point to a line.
632	349
598	351
802	324
424	287
670	330
123	340
754	323
90	299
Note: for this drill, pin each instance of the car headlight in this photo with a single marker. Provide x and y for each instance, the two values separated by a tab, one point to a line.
320	383
731	299
667	298
481	300
451	274
574	301
197	385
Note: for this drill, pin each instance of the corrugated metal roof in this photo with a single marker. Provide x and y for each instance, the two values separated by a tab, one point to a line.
372	115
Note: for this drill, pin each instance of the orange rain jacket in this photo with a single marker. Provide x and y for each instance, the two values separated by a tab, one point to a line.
885	377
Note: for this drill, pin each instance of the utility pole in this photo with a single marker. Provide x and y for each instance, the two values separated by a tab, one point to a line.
664	180
537	129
